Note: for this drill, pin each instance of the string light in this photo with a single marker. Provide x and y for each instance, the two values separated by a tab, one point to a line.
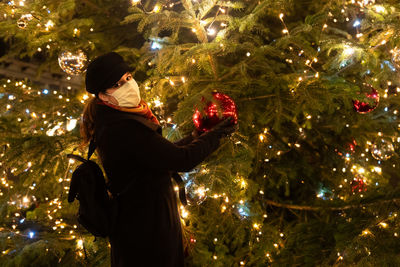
49	25
184	212
262	137
211	31
285	31
348	51
383	224
157	8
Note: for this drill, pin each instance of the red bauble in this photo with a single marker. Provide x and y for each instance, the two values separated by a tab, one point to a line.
358	185
365	107
348	149
352	146
219	108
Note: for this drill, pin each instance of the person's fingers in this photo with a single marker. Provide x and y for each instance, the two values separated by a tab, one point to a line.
227	121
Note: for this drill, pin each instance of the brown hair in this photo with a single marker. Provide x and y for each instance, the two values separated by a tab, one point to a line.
87	124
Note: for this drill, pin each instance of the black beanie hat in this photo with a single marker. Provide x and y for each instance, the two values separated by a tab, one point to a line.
104	71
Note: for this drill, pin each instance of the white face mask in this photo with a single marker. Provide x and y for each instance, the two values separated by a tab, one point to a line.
128	95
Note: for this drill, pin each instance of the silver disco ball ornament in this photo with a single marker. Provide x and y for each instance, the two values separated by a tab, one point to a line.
382	149
396	56
196	193
73	63
23	21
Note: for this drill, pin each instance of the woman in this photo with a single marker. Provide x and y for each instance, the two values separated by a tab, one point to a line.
133	151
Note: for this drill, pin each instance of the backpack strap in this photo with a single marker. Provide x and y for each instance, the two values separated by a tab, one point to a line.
76	157
92	148
93	144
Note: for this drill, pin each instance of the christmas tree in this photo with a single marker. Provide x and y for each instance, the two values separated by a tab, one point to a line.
311	176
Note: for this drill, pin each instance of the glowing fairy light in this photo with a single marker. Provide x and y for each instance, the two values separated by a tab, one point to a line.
157	103
157	9
365	232
71	124
79	244
285	31
211	31
378	170
49	25
31	234
201	191
380	9
223	208
184	212
25	200
155	45
51	132
243	184
383	224
356	23
348	51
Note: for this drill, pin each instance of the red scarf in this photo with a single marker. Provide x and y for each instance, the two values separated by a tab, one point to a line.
142	109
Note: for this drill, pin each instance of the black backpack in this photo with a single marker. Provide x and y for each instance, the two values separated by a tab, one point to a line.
98	208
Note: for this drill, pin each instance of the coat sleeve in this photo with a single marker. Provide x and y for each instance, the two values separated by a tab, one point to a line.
151	150
184	141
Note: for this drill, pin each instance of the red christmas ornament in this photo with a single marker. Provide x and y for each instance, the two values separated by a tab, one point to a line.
352	146
215	111
365	107
349	148
358	185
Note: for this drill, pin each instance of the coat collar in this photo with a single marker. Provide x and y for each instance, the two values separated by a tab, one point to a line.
106	115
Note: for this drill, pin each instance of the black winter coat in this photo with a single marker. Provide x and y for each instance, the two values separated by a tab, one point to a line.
148	229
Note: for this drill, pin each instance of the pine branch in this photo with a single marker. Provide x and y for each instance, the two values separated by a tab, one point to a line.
314	208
